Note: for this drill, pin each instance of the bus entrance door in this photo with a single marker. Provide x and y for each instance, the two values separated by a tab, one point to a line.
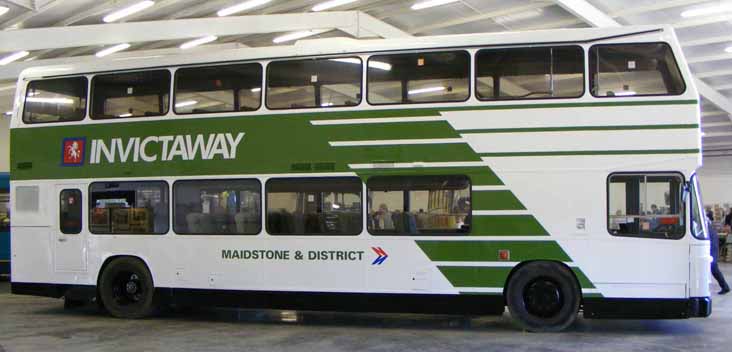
70	238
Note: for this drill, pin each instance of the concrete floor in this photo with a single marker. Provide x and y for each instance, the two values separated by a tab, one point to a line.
40	324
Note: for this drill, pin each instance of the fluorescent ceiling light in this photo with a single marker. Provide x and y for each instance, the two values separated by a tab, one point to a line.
4	10
326	104
348	60
431	3
331	4
729	49
380	65
625	93
710	10
8	113
255	90
373	64
113	49
298	35
185	103
65	101
199	41
515	17
246	5
426	90
125	115
12	57
128	11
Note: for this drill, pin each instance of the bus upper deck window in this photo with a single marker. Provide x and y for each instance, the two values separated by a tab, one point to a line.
55	100
622	70
431	77
130	94
314	83
530	73
226	88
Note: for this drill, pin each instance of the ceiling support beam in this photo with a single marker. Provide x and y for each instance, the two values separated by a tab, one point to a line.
38	9
714	96
12	71
588	13
355	23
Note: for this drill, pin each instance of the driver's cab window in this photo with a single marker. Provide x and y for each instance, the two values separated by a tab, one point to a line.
646	205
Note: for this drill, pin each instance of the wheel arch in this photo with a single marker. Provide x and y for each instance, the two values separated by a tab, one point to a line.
524	263
113	257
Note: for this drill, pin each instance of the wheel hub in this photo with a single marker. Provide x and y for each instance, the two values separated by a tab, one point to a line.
543	298
131	287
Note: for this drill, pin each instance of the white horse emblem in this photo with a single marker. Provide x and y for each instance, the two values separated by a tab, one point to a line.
73	152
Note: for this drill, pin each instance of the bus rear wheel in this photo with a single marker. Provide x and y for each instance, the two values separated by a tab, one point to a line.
126	289
543	297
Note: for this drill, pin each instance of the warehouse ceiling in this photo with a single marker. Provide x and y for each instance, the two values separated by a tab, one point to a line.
704	28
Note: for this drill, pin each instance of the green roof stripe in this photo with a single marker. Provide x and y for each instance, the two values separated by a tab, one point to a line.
593	152
506	225
487	251
496	200
582	128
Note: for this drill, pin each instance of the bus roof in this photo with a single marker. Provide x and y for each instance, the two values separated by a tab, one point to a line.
335	46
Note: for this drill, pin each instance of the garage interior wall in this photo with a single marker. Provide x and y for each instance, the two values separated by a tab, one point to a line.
4	144
714	178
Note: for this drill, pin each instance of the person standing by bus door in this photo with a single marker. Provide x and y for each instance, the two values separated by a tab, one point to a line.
714	244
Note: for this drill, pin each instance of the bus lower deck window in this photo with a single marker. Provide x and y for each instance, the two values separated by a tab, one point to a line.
128	207
623	70
217	207
314	206
70	211
419	205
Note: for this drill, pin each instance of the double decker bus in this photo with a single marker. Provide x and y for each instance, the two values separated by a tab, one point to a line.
4	223
550	172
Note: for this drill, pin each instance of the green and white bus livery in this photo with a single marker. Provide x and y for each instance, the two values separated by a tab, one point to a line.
551	172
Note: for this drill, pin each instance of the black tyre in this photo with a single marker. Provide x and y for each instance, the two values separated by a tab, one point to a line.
126	289
543	297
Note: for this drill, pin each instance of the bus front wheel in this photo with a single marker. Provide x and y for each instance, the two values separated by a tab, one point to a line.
543	297
126	289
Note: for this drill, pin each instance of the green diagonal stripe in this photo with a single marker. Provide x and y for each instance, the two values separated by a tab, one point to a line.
478	175
582	278
486	276
476	276
410	153
496	200
594	152
398	130
487	251
582	128
506	225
